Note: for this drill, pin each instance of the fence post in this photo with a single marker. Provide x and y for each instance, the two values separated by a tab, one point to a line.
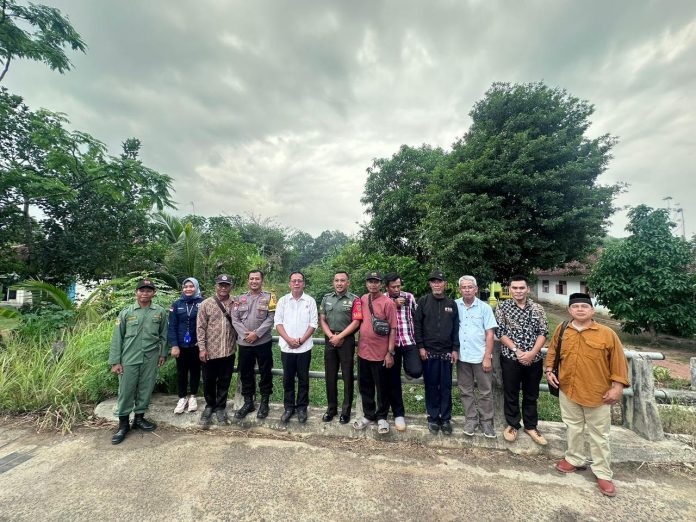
498	413
640	410
692	364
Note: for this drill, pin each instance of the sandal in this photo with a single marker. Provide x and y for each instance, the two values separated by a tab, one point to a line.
362	423
382	427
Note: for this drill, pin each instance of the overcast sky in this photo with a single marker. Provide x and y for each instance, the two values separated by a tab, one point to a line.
277	108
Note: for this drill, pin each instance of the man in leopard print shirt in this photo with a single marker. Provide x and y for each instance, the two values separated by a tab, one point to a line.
522	329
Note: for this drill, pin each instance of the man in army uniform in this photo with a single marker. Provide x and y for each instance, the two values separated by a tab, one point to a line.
340	313
253	320
138	346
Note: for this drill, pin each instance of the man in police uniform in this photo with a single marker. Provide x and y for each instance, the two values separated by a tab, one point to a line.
138	346
340	313
253	320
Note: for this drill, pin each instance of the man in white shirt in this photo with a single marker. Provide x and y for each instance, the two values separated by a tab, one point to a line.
295	320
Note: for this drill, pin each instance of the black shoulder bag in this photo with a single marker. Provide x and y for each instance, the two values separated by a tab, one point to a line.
379	326
557	361
223	310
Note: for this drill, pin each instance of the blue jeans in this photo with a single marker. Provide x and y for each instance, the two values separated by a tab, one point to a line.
437	374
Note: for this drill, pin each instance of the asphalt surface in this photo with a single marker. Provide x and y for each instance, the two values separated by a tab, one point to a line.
238	474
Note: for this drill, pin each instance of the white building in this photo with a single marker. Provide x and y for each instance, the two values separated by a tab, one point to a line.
555	285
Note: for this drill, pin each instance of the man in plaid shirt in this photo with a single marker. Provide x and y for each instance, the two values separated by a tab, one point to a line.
405	348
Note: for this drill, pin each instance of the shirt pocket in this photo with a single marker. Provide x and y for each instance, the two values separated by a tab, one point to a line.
132	325
595	351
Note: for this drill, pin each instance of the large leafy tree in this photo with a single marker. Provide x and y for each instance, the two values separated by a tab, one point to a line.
394	198
36	32
649	279
81	211
519	191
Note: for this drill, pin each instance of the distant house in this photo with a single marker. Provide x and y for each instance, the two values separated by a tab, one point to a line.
555	285
10	296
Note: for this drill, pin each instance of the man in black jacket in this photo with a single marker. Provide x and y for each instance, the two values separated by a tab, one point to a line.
436	328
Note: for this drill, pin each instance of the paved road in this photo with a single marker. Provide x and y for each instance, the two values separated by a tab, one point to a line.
236	475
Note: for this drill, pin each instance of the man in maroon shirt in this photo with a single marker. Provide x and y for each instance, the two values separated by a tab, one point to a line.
375	354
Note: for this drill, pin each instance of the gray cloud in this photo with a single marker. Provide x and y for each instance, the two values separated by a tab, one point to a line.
278	108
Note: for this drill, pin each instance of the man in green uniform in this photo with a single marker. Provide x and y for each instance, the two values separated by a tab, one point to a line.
340	313
137	348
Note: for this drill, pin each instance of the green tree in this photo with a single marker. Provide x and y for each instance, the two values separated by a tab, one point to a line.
394	197
648	280
36	32
93	207
519	191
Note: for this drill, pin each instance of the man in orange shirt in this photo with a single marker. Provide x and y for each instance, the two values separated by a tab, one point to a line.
592	375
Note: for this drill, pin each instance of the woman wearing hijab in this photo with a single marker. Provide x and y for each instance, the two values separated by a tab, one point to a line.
182	337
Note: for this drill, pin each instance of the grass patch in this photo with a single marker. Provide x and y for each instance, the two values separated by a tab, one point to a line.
678	418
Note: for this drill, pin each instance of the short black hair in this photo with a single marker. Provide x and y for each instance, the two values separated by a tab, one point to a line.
519	277
342	272
256	271
297	272
391	277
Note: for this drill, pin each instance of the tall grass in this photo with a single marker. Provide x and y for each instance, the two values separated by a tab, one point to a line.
34	379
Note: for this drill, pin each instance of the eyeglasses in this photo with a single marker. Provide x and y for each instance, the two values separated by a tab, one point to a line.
293	281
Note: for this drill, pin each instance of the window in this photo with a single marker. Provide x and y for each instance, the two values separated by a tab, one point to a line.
545	286
562	288
584	288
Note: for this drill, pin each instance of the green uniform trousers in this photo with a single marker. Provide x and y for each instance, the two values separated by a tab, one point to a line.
136	383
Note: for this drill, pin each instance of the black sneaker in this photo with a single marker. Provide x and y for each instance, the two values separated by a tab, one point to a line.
222	418
446	427
245	410
434	427
206	416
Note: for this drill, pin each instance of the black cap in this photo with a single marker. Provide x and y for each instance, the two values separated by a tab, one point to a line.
437	274
373	275
224	279
145	283
579	297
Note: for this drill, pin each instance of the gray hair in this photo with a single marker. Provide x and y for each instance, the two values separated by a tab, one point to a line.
467	278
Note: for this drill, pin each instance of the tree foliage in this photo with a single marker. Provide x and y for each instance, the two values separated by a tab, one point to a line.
395	199
518	192
93	208
648	280
36	32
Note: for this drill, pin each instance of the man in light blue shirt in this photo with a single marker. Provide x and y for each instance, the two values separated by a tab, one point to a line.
476	326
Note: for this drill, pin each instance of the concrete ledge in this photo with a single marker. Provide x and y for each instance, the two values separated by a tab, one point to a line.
626	446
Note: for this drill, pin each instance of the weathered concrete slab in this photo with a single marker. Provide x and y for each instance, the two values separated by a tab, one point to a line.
626	445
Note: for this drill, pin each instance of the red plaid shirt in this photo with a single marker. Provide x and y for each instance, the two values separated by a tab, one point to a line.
404	320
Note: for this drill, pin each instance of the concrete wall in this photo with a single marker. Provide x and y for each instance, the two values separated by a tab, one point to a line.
23	296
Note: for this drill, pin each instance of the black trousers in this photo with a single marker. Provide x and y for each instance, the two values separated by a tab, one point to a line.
372	376
248	357
516	375
333	357
188	364
296	365
217	374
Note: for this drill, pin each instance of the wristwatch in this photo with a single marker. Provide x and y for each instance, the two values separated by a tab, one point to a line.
392	353
513	348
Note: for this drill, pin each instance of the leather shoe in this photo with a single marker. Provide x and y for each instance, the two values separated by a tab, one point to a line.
446	428
566	467
139	422
434	427
328	416
606	487
302	415
285	417
344	418
246	409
